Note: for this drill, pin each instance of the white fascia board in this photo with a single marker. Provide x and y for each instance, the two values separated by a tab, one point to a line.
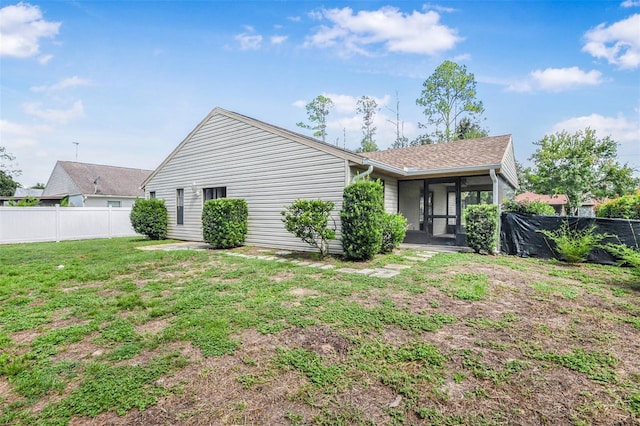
406	172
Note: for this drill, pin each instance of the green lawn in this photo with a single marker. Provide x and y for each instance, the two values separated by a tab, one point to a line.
99	331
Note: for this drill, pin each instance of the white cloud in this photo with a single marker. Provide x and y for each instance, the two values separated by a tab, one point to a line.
58	116
418	33
44	59
67	83
15	135
618	43
249	41
278	39
21	28
556	80
630	3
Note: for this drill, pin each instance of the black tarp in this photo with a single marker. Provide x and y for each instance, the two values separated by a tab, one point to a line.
519	236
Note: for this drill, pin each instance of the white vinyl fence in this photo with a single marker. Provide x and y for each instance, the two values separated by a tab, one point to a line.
33	224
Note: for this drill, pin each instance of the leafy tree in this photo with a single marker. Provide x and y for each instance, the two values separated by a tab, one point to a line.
7	173
7	184
448	95
367	107
422	140
579	165
25	202
38	185
317	112
467	129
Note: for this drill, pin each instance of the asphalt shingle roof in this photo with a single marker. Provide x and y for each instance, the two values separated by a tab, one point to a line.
113	180
450	155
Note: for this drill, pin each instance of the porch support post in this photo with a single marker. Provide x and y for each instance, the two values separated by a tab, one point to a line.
496	201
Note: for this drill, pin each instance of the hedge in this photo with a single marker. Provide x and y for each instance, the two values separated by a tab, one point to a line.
362	215
150	218
224	222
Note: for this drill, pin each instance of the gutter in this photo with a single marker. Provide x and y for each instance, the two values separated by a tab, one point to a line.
408	171
363	174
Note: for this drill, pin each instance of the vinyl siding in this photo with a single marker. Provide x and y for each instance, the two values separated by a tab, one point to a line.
268	170
508	168
60	183
390	188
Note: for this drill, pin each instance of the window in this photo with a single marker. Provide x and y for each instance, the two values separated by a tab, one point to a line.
214	193
180	206
113	203
152	195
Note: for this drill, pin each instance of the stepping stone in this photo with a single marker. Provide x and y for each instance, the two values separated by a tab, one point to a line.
316	265
348	270
397	266
365	271
327	267
282	253
415	259
304	263
384	273
281	260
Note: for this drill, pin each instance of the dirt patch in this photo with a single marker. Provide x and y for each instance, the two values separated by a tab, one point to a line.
153	326
304	292
322	340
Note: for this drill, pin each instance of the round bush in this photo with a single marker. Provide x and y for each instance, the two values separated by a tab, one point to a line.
150	218
224	222
394	229
362	214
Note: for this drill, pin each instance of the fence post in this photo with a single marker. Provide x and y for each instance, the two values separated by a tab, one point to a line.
110	218
57	223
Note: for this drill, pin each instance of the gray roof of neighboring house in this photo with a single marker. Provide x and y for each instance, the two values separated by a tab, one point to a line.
109	180
451	155
28	192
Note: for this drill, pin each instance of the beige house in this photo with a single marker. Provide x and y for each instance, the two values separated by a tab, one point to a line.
232	155
95	185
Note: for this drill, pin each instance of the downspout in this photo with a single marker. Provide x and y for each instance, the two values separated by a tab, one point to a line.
494	178
363	174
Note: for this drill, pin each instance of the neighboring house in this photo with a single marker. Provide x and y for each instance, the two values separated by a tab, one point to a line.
22	193
94	185
28	192
559	202
232	155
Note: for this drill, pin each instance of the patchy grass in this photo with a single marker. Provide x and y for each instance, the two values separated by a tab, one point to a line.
101	332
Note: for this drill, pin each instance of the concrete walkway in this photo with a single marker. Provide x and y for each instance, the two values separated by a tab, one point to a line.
425	252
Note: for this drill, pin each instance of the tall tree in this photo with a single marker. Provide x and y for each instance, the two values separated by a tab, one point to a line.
401	140
448	95
7	173
467	129
367	107
579	165
317	111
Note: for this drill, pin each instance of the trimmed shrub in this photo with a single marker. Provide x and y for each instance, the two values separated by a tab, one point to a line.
309	221
573	245
150	218
531	207
394	229
626	207
224	222
481	221
362	214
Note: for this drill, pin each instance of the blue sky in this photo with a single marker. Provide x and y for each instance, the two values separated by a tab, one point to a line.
129	80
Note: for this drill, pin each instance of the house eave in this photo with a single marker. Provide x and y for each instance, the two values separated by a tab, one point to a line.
408	172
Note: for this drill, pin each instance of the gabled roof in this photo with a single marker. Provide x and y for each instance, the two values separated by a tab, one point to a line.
106	180
554	200
305	140
484	152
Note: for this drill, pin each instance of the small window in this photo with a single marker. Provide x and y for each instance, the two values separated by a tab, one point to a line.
113	203
214	193
152	195
180	206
